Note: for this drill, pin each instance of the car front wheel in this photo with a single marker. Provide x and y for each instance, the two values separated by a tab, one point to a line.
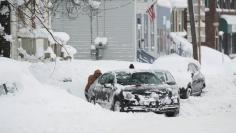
186	94
172	114
117	107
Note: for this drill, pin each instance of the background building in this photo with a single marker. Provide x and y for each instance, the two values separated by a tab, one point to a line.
220	16
113	21
202	21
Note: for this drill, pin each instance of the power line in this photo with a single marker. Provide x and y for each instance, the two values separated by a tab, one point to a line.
117	7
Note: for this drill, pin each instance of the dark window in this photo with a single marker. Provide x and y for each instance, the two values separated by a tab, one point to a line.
161	76
170	78
207	3
124	78
106	78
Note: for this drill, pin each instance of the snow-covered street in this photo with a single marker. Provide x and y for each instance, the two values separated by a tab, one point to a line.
44	103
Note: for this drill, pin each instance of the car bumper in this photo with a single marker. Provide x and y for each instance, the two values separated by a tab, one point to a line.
159	109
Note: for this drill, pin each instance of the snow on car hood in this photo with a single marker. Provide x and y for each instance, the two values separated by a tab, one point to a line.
146	87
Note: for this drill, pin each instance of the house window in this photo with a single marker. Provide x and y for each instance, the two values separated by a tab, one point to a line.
152	35
145	31
207	3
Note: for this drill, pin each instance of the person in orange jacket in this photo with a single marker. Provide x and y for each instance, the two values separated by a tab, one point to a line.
91	79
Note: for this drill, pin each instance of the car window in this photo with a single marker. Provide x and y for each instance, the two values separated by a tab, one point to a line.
137	78
106	78
192	67
161	76
170	78
123	78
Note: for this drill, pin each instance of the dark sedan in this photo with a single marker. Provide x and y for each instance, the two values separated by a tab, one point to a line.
134	90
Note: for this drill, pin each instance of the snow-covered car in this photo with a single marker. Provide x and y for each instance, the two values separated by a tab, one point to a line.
193	88
186	72
166	77
134	90
197	84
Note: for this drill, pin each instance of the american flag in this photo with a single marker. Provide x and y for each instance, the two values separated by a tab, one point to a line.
151	12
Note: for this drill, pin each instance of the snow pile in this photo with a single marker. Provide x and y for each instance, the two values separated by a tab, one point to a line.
50	52
182	43
213	61
68	50
78	71
60	37
11	71
94	4
43	105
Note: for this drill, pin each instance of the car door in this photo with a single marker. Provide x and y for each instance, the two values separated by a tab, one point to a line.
109	89
104	87
196	78
170	79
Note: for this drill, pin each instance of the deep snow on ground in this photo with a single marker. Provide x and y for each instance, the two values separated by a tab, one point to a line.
46	104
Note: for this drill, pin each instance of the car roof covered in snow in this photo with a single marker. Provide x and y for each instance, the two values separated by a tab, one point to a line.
130	70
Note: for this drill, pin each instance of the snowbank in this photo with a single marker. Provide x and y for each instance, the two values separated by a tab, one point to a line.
78	71
11	71
43	105
213	61
182	43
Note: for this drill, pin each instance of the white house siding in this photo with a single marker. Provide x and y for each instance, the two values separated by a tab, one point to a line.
163	29
147	42
119	29
157	45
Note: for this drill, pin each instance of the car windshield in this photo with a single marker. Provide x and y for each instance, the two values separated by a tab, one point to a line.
161	76
137	78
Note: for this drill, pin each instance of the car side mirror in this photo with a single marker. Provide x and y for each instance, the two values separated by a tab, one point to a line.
171	82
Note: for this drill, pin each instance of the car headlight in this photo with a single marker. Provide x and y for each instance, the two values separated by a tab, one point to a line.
128	95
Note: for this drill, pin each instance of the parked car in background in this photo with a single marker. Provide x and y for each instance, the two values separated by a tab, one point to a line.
193	87
186	73
134	90
197	84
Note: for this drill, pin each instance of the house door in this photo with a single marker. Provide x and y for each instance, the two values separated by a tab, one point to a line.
5	26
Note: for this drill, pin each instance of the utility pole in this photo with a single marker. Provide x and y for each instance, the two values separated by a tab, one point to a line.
199	30
91	25
193	30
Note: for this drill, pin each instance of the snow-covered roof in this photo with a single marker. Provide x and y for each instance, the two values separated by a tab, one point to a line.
164	3
32	33
179	3
68	49
60	37
231	19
